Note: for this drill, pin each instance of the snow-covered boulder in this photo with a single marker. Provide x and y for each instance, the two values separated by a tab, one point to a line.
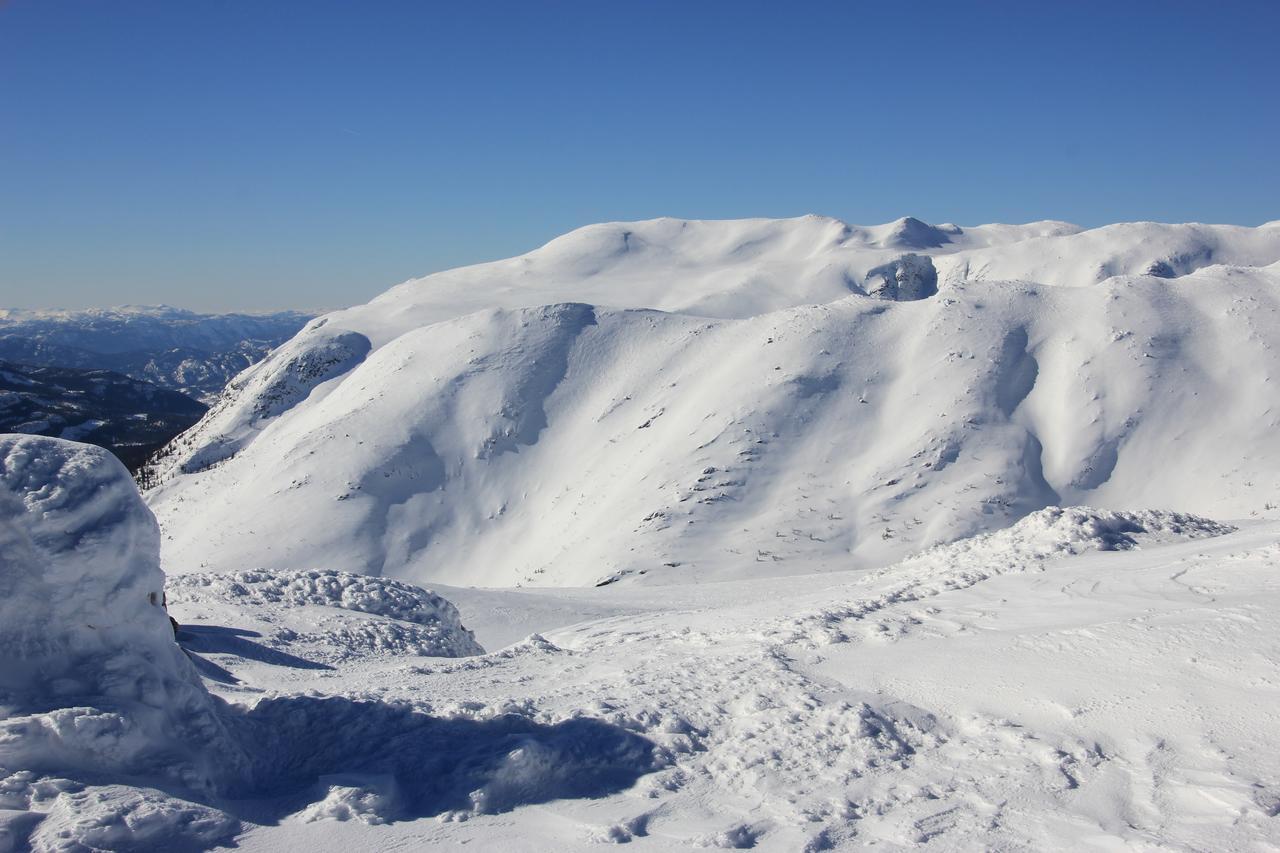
904	279
92	685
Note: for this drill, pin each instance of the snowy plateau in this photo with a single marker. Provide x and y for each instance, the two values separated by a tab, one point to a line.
772	534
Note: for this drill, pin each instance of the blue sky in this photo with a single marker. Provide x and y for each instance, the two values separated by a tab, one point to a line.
254	154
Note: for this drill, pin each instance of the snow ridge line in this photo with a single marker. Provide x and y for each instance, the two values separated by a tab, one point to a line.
1027	546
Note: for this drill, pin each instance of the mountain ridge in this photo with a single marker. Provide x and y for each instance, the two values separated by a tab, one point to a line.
678	401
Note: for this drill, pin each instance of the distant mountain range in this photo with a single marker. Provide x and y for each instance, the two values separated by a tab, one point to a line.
196	354
128	379
130	418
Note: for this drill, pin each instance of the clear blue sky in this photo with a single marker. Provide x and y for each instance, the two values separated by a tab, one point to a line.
251	154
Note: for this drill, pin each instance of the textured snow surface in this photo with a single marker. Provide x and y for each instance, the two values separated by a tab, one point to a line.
1085	679
92	686
680	402
825	559
110	740
305	610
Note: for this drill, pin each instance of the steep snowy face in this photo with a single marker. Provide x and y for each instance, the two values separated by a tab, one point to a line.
693	401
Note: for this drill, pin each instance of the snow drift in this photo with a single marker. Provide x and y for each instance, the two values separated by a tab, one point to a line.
680	401
321	615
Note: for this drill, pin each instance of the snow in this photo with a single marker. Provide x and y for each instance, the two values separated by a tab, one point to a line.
1085	679
109	738
311	612
682	402
91	684
738	536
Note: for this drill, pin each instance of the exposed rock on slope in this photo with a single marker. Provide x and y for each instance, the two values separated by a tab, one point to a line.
907	278
704	400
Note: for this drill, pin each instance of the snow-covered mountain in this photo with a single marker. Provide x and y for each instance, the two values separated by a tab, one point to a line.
706	400
180	350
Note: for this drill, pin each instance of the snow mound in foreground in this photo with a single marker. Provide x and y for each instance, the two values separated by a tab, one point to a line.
408	619
92	685
109	739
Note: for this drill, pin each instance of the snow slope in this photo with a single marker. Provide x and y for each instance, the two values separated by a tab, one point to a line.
678	402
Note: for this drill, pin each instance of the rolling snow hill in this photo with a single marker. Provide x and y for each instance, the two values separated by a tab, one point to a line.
677	402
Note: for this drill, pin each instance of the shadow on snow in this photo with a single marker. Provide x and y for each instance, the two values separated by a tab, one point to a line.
198	640
409	765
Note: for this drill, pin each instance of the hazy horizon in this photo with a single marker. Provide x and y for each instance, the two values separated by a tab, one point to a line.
287	155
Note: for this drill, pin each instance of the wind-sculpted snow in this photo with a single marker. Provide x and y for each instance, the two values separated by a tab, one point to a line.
1027	546
415	621
1065	531
92	686
674	401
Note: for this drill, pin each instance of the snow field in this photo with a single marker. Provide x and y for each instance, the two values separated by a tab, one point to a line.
813	563
1017	687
